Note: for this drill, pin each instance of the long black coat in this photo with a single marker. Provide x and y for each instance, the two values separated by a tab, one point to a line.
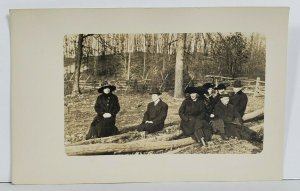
156	113
191	113
102	127
239	101
230	116
209	107
227	113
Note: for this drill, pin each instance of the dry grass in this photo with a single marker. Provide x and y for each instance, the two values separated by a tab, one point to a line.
79	113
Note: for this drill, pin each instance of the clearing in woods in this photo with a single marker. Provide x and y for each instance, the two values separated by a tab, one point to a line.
79	113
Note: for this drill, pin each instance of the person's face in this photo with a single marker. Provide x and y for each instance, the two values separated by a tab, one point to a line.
193	96
236	90
155	97
210	91
225	100
106	91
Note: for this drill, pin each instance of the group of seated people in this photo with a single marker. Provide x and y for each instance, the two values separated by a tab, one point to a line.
205	111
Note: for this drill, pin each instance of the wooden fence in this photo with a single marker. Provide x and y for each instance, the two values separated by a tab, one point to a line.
255	87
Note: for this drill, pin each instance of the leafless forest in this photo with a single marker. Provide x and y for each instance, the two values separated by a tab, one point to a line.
137	62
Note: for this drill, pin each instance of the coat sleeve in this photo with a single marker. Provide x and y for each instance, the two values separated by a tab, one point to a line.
243	104
116	107
182	114
203	110
237	115
163	114
146	114
217	112
99	107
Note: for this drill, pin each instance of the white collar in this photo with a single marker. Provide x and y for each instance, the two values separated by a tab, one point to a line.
156	102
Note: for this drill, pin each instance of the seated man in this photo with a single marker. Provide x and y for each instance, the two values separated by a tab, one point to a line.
227	120
239	99
155	115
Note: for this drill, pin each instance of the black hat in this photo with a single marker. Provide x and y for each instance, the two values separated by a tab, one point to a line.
155	90
106	85
221	87
202	90
191	90
237	84
208	85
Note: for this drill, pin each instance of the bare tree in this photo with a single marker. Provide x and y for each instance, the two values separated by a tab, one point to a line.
178	92
78	59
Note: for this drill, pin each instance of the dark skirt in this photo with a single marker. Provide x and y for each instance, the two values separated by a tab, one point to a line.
197	128
102	127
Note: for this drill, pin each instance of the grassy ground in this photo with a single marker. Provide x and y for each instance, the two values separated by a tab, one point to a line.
79	113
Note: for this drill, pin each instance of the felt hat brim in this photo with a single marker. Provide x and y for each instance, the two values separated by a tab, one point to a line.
111	87
191	90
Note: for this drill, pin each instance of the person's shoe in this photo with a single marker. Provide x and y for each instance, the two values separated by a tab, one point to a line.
224	137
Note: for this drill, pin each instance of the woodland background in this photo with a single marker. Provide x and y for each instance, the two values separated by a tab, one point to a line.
137	62
161	59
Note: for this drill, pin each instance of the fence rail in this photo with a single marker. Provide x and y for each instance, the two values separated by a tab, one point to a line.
255	87
251	86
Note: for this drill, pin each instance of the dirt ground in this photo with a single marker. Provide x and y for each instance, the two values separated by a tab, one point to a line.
79	113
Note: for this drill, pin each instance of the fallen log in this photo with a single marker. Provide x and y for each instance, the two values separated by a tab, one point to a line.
176	151
133	127
163	137
130	147
110	139
132	135
254	115
256	128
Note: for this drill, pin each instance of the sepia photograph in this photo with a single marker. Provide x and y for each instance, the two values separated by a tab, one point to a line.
164	93
150	96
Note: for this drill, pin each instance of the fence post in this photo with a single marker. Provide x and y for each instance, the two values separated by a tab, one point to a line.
256	91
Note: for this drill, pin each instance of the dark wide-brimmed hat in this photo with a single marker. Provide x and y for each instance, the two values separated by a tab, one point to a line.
221	87
202	90
191	90
208	85
237	84
106	85
155	90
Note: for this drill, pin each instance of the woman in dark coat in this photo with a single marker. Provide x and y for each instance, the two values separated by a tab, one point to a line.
208	100
155	115
220	90
192	114
107	106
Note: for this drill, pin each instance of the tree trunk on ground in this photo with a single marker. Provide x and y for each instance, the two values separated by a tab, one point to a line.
76	88
253	115
126	147
178	92
129	135
110	139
